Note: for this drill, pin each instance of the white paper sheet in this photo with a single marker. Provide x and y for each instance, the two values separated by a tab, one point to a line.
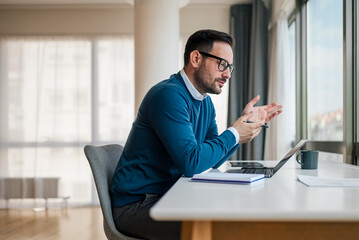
311	181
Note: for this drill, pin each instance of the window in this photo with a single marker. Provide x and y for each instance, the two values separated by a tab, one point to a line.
57	95
326	76
325	70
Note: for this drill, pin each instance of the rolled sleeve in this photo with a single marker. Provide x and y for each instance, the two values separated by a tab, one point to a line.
235	133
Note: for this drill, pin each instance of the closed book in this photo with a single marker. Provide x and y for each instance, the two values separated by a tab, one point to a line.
228	177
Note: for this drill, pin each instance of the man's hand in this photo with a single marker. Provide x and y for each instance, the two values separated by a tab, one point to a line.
248	131
267	112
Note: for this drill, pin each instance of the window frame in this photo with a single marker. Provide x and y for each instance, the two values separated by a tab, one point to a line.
350	82
301	71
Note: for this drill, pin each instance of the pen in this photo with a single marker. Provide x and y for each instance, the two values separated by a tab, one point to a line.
263	126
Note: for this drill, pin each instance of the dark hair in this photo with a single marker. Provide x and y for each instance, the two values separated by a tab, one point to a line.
203	40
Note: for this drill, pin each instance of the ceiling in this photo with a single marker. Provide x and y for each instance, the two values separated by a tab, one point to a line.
111	2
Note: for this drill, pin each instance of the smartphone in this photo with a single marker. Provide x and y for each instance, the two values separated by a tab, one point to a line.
247	164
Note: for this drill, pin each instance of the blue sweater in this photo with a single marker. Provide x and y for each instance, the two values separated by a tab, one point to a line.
173	135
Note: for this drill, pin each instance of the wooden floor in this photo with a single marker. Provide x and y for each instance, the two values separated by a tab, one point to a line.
57	224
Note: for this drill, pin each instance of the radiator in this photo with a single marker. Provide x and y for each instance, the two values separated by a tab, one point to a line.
15	188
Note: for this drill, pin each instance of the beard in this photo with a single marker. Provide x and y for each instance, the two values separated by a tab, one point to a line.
205	81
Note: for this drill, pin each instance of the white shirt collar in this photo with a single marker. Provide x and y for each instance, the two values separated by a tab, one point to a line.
194	92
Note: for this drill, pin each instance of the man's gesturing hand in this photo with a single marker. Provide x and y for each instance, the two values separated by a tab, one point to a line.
268	112
248	131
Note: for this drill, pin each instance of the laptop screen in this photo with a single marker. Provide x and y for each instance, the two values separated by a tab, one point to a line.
290	154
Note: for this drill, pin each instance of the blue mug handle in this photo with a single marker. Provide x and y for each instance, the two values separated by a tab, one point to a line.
300	154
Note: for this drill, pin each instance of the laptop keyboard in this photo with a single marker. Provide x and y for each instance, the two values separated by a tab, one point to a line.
268	172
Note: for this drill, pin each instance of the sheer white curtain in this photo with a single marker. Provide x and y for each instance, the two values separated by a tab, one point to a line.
58	94
114	102
281	90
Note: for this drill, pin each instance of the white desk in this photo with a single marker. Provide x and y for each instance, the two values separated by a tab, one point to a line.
279	208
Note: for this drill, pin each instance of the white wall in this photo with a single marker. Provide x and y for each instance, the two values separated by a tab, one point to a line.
107	20
66	21
193	18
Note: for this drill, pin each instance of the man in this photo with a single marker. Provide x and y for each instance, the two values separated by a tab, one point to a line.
175	134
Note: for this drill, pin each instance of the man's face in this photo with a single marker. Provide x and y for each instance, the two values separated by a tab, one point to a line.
208	78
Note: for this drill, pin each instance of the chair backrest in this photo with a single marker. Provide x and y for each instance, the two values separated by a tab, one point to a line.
103	161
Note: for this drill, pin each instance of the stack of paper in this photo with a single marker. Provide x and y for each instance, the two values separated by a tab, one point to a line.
328	182
228	177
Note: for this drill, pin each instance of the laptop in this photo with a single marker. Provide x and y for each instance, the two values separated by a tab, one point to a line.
269	171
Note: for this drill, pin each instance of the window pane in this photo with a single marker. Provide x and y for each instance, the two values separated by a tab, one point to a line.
116	108
71	168
46	86
325	70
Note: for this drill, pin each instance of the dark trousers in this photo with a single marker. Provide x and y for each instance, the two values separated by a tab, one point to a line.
134	220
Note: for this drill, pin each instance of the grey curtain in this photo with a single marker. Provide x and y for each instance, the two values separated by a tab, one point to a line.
249	27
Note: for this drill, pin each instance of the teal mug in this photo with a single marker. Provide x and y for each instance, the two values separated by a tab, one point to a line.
308	159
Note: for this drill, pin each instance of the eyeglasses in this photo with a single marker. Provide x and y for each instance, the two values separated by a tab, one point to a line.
222	65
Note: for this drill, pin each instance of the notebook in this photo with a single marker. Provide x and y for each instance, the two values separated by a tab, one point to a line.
227	177
269	171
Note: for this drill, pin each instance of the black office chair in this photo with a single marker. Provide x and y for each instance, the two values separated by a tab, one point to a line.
103	161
